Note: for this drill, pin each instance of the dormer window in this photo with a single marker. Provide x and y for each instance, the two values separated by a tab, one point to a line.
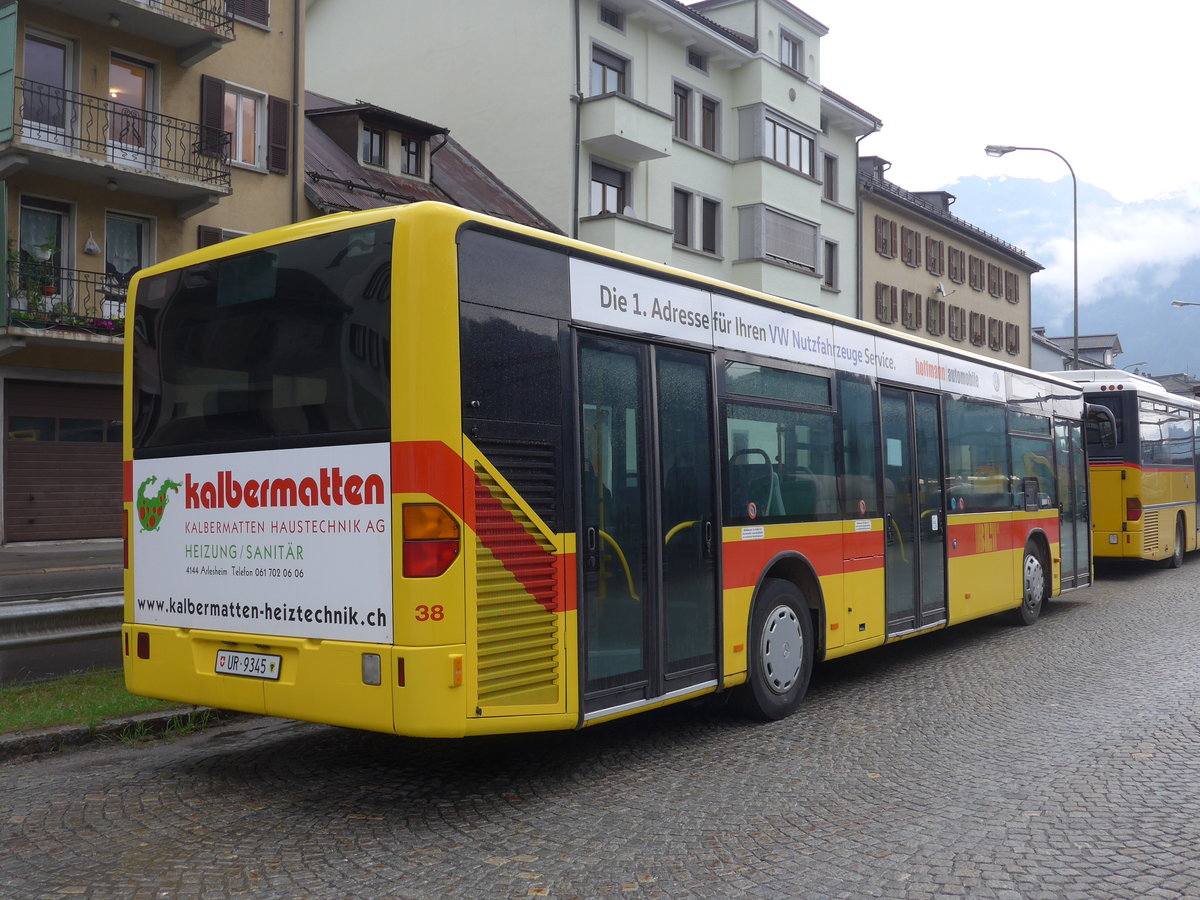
410	156
374	146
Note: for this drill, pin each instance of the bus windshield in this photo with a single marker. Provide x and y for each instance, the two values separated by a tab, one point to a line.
280	343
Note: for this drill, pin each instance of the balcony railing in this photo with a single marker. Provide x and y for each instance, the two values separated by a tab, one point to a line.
95	128
212	14
41	295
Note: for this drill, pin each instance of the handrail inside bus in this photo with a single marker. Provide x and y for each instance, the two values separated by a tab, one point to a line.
624	563
678	528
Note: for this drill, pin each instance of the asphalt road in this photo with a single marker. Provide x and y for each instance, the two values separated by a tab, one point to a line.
1060	761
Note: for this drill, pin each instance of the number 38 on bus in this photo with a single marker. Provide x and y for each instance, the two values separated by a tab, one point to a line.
417	470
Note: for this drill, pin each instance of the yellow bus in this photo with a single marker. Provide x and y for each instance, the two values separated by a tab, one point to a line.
1143	488
417	470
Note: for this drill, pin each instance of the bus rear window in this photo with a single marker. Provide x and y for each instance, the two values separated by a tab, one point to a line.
269	347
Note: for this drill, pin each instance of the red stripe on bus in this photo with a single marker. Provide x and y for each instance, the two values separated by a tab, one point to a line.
996	537
430	467
506	538
744	560
127	478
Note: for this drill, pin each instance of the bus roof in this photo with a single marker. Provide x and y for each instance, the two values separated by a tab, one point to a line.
1094	380
458	216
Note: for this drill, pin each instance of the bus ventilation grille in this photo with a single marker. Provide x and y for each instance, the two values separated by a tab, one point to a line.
1150	533
529	466
518	631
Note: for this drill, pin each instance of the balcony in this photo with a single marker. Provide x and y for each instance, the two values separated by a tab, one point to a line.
64	303
94	140
195	29
625	130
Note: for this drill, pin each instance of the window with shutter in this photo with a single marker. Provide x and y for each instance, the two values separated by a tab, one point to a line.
935	256
214	139
207	235
1013	338
278	116
956	266
935	316
788	239
257	11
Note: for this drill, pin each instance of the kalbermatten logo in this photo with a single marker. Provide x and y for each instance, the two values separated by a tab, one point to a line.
150	509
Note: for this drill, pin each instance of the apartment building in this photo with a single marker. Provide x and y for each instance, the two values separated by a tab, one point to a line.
130	131
698	136
927	272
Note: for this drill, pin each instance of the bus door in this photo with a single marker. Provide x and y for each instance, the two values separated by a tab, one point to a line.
649	539
1075	527
913	507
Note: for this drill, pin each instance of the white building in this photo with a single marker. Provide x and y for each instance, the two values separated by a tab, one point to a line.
698	136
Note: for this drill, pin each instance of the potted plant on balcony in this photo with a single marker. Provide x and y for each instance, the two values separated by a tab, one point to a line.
45	269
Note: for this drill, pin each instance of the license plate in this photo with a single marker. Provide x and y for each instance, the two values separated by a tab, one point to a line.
248	665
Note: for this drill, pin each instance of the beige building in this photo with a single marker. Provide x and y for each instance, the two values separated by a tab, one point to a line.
700	136
925	271
130	132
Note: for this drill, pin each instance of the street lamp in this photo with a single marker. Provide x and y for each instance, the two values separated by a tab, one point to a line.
1183	303
999	150
1142	363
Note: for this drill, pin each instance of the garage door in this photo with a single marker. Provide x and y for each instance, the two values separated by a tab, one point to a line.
62	461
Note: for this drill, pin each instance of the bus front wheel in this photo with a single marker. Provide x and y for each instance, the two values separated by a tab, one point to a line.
781	651
1033	588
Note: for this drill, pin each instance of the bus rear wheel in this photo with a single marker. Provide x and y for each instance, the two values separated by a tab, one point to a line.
1033	588
1175	560
781	651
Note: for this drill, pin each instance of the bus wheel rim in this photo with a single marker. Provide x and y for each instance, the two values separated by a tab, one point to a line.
1035	582
782	649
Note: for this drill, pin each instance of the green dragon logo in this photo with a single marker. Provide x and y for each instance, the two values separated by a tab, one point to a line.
150	509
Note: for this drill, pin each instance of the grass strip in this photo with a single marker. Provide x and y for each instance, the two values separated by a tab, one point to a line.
86	698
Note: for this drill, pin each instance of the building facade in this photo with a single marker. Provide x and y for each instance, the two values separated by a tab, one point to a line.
927	272
698	136
129	132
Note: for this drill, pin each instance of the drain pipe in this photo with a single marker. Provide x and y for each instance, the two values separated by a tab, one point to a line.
578	98
297	106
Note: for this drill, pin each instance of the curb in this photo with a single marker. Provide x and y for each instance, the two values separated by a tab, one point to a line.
144	726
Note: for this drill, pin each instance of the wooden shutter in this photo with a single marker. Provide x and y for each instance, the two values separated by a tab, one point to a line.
252	10
207	235
278	114
213	137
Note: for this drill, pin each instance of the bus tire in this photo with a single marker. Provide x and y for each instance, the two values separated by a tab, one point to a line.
1034	589
781	652
1175	560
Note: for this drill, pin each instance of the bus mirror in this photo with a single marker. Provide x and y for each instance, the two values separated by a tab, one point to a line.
1101	426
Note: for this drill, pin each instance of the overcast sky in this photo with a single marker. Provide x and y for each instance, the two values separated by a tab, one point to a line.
1110	86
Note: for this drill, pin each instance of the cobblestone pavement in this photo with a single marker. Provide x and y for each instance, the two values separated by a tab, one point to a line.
1059	761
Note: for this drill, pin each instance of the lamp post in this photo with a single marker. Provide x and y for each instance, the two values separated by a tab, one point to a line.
999	150
1183	303
1134	365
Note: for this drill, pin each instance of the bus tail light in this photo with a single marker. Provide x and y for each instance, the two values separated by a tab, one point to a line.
1133	509
431	540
